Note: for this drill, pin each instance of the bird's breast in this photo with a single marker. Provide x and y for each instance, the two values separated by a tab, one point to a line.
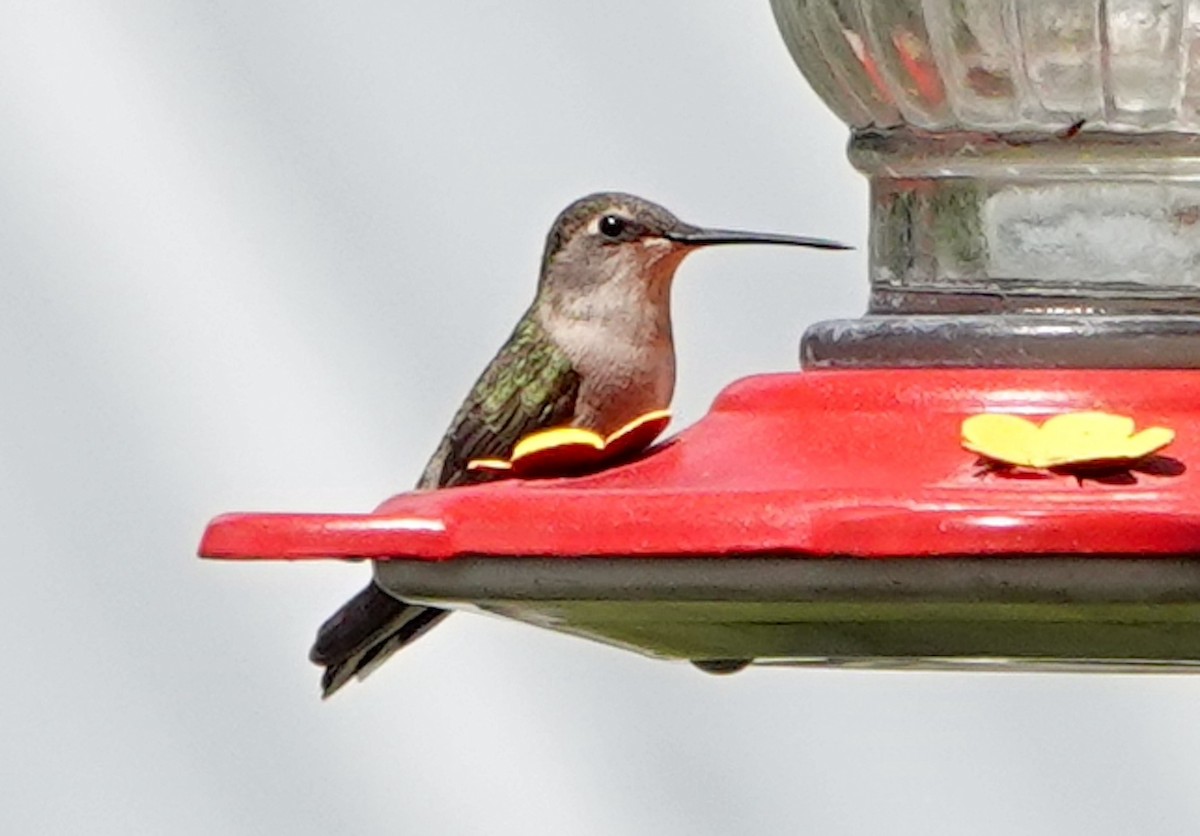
623	374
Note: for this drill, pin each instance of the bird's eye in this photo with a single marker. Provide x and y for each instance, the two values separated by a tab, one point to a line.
611	226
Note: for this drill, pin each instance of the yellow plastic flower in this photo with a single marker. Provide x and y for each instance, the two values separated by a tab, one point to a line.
571	449
1073	439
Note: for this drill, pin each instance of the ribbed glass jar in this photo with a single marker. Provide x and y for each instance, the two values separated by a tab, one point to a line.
1001	65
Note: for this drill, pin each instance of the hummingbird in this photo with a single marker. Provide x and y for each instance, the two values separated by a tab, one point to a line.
594	351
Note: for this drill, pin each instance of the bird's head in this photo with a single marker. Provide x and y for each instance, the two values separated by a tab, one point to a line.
611	239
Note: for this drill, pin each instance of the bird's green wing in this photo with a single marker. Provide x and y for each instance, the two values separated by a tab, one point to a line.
529	386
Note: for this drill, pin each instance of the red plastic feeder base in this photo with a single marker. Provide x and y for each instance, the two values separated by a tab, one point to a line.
824	517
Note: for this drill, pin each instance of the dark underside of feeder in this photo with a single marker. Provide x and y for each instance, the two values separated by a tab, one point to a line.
1045	613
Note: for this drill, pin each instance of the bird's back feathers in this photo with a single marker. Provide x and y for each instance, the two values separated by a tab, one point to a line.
530	385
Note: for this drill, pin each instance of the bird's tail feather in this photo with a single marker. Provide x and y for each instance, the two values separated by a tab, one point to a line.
368	629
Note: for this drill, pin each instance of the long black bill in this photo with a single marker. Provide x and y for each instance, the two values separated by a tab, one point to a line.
699	237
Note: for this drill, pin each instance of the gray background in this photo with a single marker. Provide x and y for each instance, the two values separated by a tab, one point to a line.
252	256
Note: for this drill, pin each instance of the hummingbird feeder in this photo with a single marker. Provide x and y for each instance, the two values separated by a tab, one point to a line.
995	466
